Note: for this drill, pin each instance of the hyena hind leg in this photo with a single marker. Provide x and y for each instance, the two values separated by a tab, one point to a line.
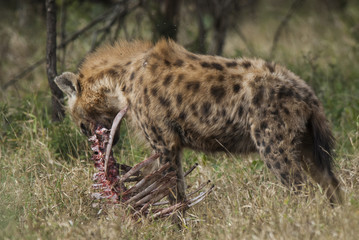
279	151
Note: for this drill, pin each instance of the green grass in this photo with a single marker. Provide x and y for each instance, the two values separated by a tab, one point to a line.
46	173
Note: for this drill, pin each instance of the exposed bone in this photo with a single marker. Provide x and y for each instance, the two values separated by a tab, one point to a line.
145	192
148	180
139	166
199	188
115	124
191	169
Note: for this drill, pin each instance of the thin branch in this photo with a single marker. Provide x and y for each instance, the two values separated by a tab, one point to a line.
63	44
86	28
23	73
295	5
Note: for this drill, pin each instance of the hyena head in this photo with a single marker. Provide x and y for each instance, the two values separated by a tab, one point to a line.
87	104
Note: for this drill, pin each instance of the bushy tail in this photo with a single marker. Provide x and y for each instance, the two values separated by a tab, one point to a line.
323	141
323	144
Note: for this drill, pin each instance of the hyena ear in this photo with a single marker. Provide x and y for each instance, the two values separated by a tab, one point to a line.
67	82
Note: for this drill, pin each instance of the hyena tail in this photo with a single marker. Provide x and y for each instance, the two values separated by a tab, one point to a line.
322	156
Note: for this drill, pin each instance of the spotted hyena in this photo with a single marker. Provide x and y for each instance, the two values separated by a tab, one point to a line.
179	100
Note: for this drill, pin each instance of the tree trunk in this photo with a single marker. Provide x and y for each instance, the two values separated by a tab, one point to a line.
171	18
57	95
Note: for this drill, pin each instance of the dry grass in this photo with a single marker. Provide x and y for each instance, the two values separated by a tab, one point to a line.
45	174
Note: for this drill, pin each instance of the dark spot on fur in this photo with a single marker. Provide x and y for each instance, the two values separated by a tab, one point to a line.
128	63
270	67
258	98
141	80
285	92
286	110
178	63
271	95
267	150
193	107
236	88
218	92
264	125
213	65
275	112
217	66
281	150
182	115
240	111
81	75
206	108
268	165
277	165
179	99
229	122
132	76
154	130
220	78
231	64
168	80
130	88
285	159
246	64
124	88
113	73
279	137
194	86
164	101
205	65
154	92
167	63
166	152
224	112
180	77
257	79
284	176
160	139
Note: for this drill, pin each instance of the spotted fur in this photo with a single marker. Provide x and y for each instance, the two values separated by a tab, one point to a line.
179	100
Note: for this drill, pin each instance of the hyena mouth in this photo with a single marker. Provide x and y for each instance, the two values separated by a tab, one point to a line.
122	184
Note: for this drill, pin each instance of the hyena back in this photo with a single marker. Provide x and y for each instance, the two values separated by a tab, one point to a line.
178	100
